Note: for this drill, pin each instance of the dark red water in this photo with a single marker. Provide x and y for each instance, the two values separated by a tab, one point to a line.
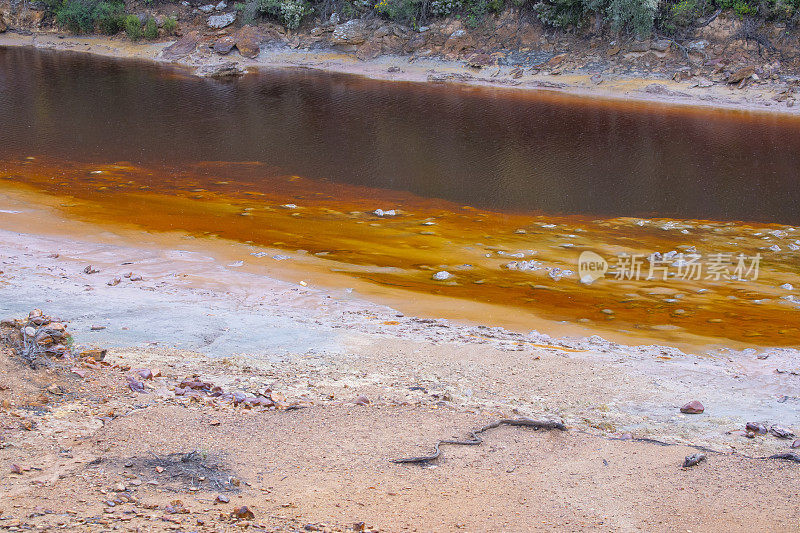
491	148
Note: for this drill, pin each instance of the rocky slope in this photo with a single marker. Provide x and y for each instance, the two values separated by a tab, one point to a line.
726	50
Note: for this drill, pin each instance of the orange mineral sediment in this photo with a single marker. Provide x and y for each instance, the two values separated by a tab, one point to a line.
482	250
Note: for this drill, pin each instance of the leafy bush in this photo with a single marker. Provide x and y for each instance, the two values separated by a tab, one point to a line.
109	17
443	8
170	26
77	16
249	11
415	12
151	29
84	16
133	27
627	16
561	13
634	15
405	11
289	12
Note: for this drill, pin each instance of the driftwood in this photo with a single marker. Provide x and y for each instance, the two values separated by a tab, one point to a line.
476	440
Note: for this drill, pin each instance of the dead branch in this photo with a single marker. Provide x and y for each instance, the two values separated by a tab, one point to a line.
476	440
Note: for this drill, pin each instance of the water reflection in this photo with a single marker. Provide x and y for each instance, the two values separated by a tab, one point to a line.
495	149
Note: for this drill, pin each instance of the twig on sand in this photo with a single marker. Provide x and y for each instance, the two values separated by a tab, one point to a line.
786	457
475	440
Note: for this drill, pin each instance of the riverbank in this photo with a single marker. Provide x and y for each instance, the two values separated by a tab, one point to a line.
635	84
82	450
218	391
159	296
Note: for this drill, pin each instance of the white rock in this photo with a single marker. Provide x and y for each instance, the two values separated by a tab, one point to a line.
556	273
207	8
442	275
216	22
222	5
524	266
787	287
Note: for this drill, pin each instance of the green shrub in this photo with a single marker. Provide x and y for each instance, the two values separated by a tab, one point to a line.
561	13
84	16
634	15
249	11
443	8
404	11
290	12
77	16
683	13
415	12
170	26
109	17
133	27
151	29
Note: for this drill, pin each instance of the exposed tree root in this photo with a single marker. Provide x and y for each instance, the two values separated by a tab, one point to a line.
476	440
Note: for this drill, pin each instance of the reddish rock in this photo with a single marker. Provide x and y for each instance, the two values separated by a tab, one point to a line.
145	373
369	50
693	408
97	355
248	41
183	47
556	60
223	45
741	74
756	428
479	60
243	513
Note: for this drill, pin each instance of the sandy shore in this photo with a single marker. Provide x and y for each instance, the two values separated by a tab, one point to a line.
86	451
195	296
649	90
